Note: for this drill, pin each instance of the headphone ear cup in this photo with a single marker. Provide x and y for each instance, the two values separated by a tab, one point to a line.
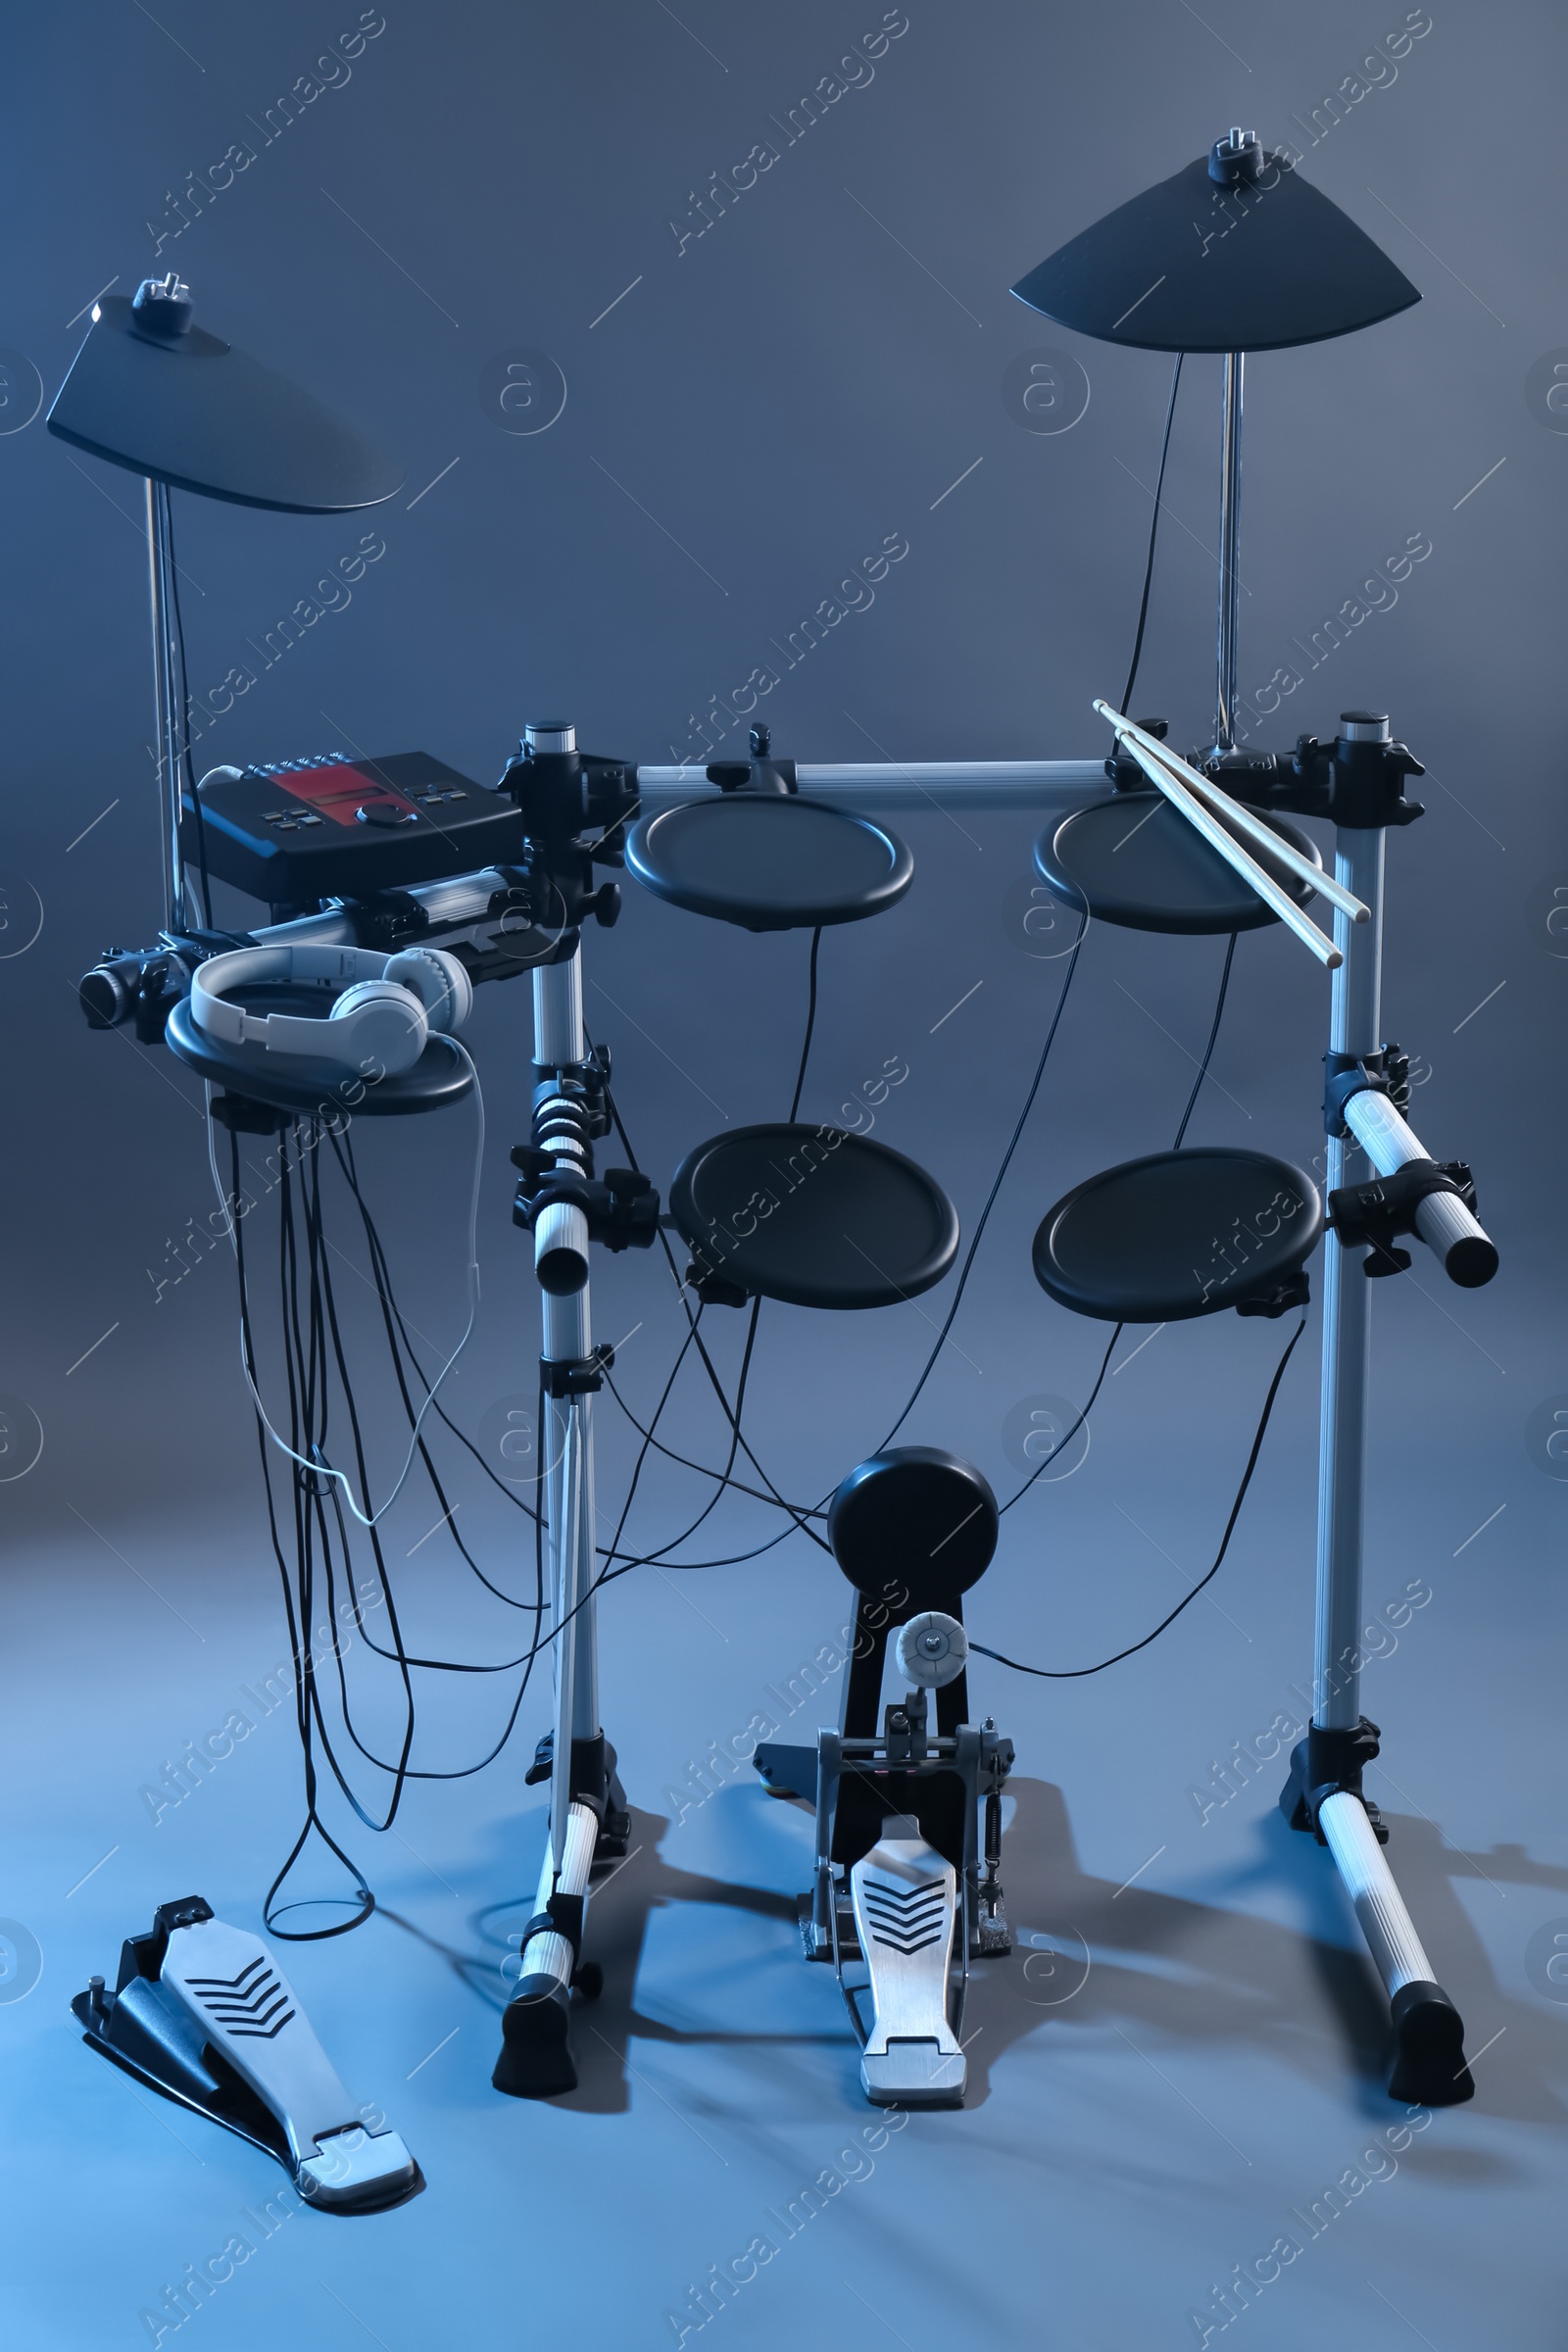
440	982
390	1027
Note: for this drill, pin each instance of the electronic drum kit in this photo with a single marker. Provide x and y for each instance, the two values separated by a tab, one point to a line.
907	1803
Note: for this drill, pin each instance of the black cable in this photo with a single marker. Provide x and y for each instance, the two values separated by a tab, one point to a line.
1154	531
621	1564
383	1284
306	1362
804	1510
307	1366
1100	1382
312	1339
654	1559
990	1197
400	1655
1137	646
650	1441
393	1324
1067	1674
298	1649
1208	1050
798	1517
810	1023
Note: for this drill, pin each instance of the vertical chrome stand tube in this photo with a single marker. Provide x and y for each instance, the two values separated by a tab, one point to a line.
536	2060
169	717
1355	1021
1230	528
568	1441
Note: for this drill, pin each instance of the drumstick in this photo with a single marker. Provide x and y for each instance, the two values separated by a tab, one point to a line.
1245	821
1204	821
1214	832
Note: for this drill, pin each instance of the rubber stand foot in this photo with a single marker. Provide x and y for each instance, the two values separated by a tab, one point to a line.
1429	2062
536	2061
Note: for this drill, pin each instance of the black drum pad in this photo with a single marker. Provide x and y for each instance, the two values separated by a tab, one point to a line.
769	863
1177	1235
1137	861
814	1216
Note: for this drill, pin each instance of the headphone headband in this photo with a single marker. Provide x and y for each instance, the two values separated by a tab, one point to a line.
331	969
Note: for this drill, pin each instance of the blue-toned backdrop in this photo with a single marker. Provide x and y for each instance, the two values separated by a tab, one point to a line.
669	354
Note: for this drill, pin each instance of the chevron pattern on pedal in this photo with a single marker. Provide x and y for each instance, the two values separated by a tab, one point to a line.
905	1919
247	2005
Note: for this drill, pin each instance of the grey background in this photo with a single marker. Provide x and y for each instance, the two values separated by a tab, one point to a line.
752	417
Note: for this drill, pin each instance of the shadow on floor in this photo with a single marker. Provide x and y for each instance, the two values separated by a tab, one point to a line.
1091	1955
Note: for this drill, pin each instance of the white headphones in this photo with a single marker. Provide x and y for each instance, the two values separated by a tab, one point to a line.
382	1011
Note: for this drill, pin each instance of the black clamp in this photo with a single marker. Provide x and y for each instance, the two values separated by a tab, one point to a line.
1357	783
1291	1290
591	1768
164	983
714	1290
621	1207
388	921
583	1086
1373	1213
565	797
903	1729
563	1914
563	1376
996	1756
1238	160
761	773
1330	1763
1386	1072
554	888
1356	780
241	1114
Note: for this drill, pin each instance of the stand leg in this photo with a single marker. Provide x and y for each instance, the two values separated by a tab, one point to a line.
1429	2065
1324	1789
536	2061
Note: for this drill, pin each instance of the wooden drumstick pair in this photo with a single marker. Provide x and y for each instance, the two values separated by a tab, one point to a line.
1203	804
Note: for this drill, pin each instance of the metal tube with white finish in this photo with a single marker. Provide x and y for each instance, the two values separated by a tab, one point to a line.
872	786
1450	1230
560	1044
570	1593
547	1958
1386	1924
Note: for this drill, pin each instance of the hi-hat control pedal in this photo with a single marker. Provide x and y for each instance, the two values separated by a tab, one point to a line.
295	831
202	2011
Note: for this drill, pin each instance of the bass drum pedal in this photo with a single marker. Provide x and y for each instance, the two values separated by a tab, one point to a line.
906	1890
